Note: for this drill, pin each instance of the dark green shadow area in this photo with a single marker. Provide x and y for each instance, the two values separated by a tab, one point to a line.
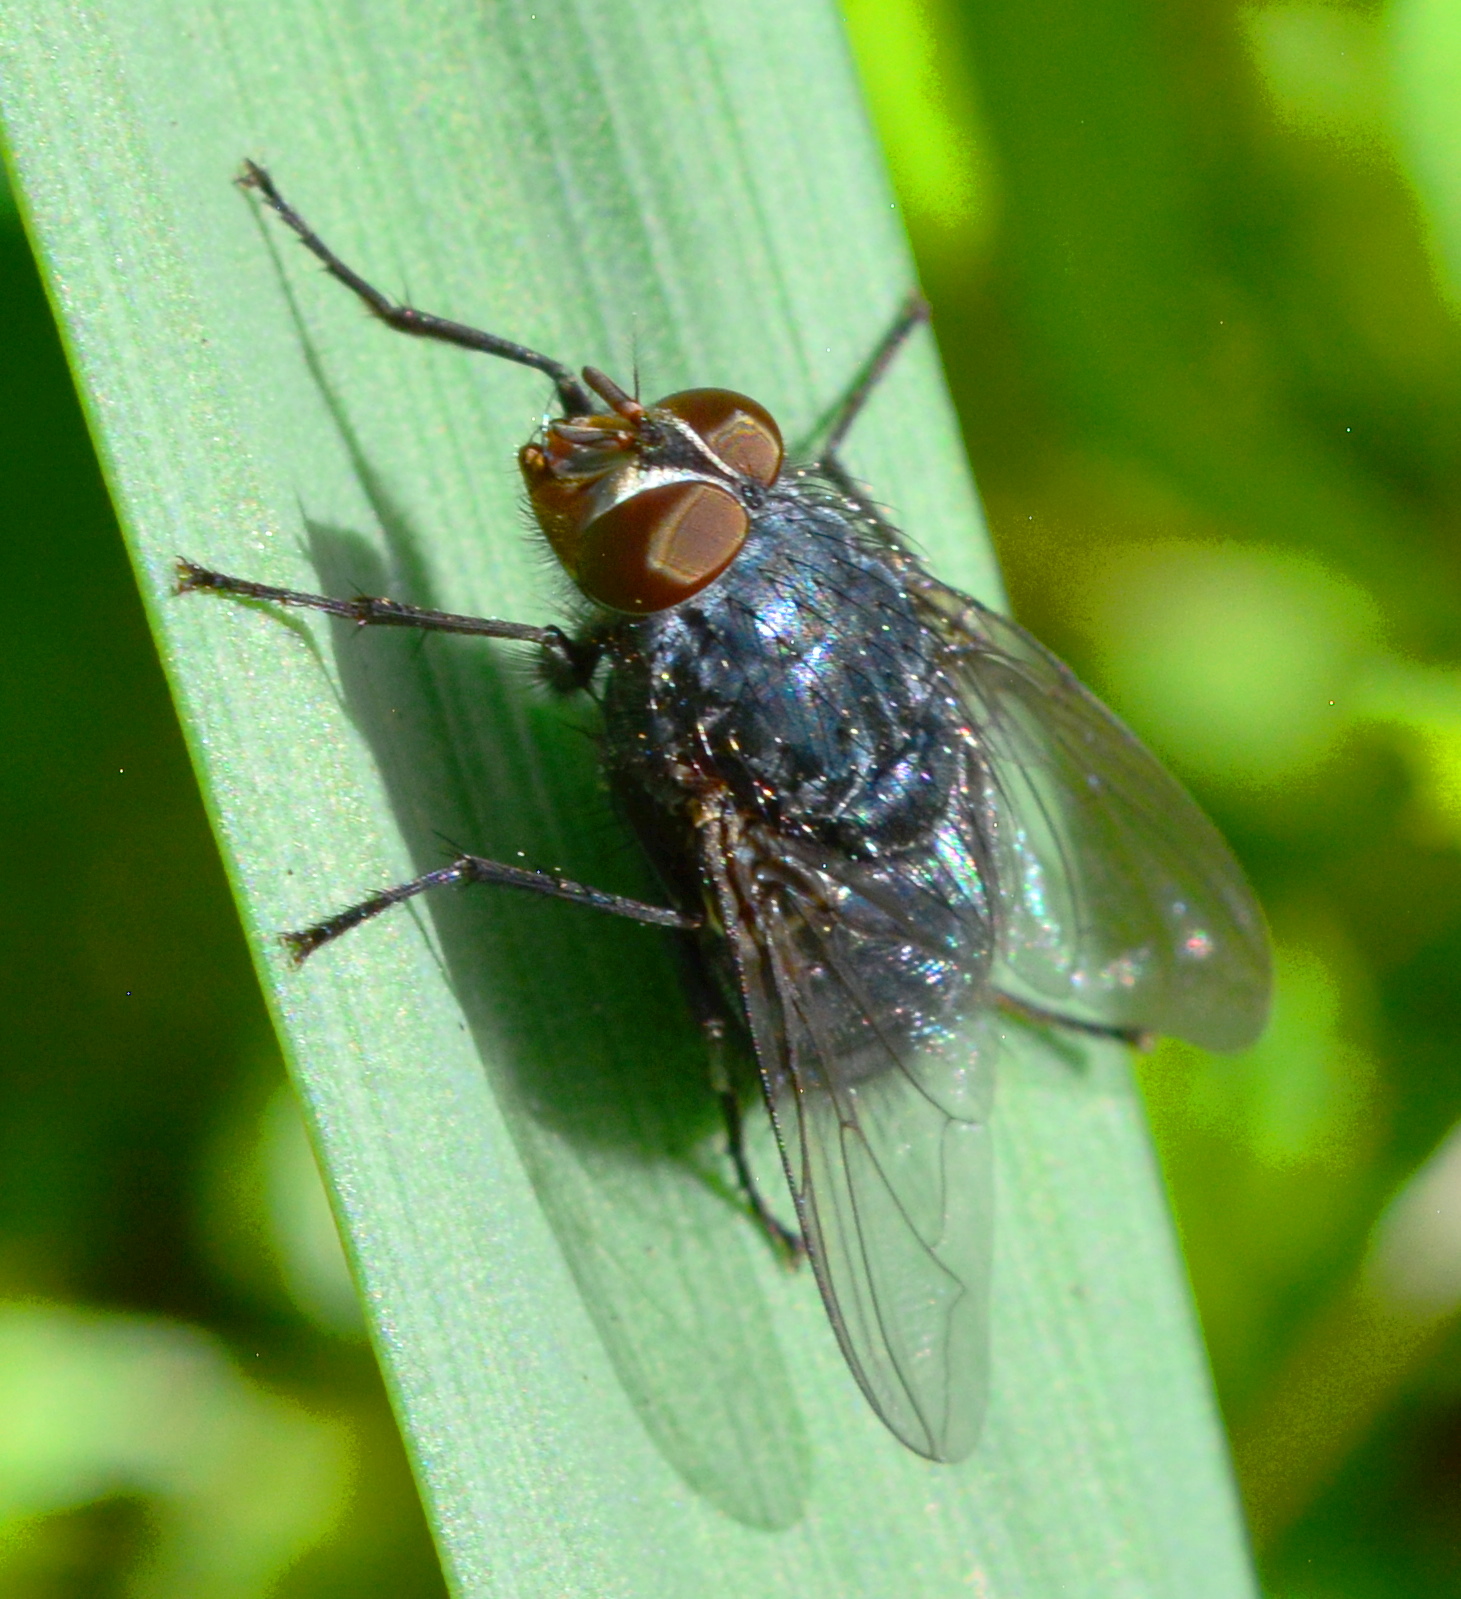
593	1051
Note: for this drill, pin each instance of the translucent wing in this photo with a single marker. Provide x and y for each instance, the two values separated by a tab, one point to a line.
881	1108
1118	902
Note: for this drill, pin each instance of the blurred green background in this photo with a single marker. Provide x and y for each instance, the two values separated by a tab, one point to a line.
1196	274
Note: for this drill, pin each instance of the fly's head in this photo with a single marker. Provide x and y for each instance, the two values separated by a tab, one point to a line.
647	504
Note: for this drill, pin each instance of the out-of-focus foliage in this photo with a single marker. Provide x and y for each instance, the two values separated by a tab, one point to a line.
1196	272
187	1408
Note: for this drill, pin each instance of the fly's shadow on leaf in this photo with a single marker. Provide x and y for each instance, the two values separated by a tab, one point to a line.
579	1018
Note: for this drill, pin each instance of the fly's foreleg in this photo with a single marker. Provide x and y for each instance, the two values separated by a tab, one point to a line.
574	398
911	316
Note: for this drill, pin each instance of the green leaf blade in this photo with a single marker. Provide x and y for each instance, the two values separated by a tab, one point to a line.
607	1384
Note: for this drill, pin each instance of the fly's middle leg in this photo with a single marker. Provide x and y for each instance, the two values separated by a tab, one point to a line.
570	664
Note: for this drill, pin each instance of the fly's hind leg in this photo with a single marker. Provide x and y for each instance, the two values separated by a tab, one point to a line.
1135	1037
786	1241
569	663
476	869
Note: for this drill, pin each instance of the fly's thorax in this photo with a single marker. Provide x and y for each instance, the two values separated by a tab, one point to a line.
646	505
805	683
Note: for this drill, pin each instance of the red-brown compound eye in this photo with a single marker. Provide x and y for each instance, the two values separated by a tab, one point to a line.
660	546
741	432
